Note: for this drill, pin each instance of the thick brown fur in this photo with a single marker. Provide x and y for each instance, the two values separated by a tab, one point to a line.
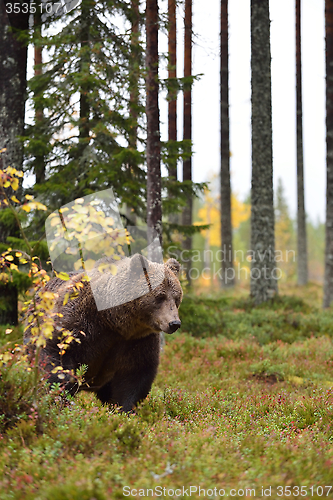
120	344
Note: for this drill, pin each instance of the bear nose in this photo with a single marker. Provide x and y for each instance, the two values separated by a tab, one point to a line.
174	325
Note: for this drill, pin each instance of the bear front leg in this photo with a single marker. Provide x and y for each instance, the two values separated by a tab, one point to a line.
136	368
127	389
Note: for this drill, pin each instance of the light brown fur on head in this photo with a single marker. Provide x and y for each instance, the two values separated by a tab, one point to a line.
157	311
156	306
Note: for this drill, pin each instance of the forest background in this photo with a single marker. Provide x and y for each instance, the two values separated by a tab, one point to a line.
206	209
208	242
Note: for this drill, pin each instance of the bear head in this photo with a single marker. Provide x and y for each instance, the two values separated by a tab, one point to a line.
141	297
138	297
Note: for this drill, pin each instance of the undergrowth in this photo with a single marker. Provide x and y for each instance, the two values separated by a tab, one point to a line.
233	406
284	318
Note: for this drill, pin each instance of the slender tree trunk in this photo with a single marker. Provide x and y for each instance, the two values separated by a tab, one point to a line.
153	152
226	226
80	153
328	284
187	131
134	77
84	127
13	83
263	273
172	73
302	261
172	101
135	74
39	112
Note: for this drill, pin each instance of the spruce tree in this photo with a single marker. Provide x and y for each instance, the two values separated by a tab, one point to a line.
86	89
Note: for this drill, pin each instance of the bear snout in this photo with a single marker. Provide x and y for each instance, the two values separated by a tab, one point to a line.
174	325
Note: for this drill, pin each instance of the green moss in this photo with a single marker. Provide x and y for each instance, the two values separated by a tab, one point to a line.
285	318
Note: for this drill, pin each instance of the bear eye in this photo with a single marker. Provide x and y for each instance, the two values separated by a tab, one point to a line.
160	298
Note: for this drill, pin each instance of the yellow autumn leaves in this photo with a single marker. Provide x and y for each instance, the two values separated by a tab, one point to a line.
210	214
10	178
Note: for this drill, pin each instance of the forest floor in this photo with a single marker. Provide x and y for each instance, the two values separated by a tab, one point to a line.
242	407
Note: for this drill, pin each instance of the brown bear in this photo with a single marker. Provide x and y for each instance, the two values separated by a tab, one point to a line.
120	343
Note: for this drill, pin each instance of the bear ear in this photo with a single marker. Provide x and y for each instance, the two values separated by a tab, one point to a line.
174	266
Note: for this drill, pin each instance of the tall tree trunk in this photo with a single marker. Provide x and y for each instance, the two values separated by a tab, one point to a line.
226	226
39	111
84	127
187	131
172	100
13	83
134	77
302	260
263	273
153	150
328	285
135	73
172	73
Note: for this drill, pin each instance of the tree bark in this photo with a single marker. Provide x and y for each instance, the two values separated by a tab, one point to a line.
302	261
135	74
153	151
187	126
39	111
226	226
13	83
173	150
172	73
134	78
263	272
328	283
84	127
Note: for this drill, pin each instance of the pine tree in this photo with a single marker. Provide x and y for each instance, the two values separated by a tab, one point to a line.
134	74
172	74
226	227
302	259
263	282
187	125
39	166
153	151
328	284
178	195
